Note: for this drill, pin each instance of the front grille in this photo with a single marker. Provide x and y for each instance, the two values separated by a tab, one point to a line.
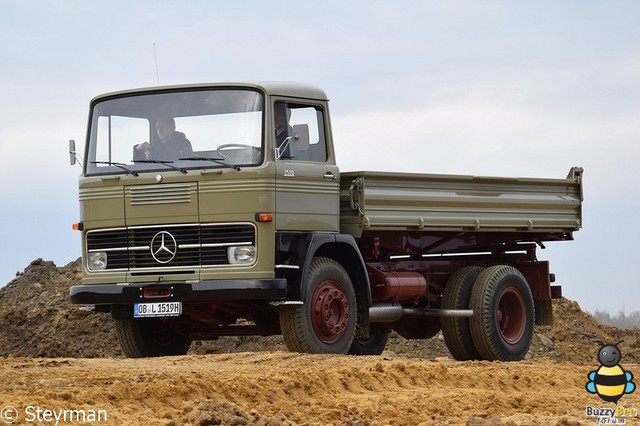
169	245
163	194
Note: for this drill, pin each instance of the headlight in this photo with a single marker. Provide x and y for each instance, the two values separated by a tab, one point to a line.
241	255
97	261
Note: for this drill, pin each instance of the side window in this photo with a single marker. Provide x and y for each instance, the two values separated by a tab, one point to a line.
288	115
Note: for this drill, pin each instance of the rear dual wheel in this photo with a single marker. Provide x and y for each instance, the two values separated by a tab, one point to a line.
504	315
457	331
502	324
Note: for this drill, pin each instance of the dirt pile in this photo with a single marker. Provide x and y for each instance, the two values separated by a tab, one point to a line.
576	335
279	388
39	321
56	357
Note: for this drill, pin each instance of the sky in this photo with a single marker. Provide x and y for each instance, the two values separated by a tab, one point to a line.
500	88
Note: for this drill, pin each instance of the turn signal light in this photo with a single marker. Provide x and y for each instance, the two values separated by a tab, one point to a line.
77	226
264	217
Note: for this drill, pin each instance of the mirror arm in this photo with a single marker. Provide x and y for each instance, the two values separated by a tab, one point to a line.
285	143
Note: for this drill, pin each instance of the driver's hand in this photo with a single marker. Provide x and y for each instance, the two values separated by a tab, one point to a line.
144	147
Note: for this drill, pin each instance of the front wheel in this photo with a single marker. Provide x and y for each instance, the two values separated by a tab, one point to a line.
373	345
326	322
503	314
149	337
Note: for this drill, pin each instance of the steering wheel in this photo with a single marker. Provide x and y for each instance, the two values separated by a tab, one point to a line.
236	145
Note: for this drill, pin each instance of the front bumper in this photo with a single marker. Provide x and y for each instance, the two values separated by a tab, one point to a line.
203	291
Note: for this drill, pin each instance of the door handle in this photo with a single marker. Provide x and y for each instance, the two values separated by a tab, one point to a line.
329	176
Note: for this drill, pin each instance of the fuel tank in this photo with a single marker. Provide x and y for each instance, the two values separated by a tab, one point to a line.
398	286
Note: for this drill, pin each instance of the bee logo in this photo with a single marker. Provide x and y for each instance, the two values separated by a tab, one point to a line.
610	381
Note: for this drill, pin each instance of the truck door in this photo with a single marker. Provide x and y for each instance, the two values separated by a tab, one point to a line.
307	179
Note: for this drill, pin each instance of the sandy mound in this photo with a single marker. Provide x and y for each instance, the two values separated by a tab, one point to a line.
280	388
55	356
39	321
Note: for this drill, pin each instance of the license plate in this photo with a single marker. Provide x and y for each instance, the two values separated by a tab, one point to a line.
162	309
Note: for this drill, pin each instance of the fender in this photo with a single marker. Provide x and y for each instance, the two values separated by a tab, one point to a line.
299	249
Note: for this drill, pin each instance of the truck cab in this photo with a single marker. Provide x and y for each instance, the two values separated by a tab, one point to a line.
185	232
236	170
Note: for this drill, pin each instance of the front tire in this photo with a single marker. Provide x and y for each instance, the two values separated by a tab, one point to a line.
504	316
373	345
149	337
326	322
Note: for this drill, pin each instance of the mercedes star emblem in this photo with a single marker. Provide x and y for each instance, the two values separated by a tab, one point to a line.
163	247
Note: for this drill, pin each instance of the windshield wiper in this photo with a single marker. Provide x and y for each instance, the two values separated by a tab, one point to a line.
165	163
119	165
214	160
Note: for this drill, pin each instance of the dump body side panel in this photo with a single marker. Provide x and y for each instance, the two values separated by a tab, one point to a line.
425	202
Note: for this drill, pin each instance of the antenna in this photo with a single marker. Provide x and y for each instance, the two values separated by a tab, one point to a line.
155	55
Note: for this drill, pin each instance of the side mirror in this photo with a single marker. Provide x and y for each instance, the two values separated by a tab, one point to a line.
300	140
72	152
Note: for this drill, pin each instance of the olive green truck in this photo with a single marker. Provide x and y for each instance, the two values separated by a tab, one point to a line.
219	210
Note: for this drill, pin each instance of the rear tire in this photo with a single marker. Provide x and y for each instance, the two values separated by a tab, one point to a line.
457	331
149	337
326	322
504	316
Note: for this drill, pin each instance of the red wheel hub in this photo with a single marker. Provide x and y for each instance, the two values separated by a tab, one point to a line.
511	316
329	312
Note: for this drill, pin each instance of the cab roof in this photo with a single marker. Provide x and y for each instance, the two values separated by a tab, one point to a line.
273	88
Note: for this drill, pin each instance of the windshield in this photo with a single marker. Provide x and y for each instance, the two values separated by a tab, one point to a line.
177	130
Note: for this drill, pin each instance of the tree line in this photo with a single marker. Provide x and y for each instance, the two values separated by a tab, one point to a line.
622	320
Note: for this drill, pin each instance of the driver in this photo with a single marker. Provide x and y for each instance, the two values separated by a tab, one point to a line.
170	146
282	128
